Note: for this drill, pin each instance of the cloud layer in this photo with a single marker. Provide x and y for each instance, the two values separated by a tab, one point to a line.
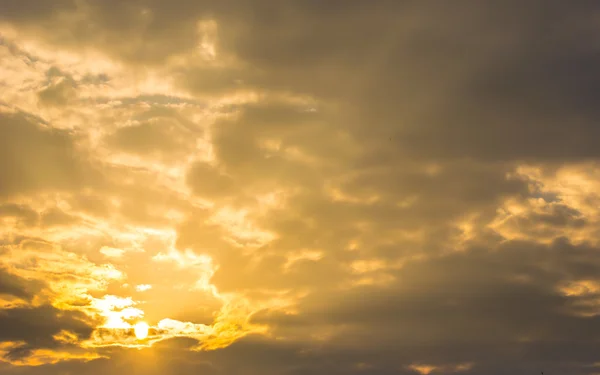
299	187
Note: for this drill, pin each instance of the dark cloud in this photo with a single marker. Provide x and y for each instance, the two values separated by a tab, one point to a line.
206	180
34	158
158	132
16	286
57	217
484	307
58	94
32	10
441	82
24	214
497	93
254	355
36	326
143	138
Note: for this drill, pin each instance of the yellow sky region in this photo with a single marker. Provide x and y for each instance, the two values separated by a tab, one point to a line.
71	282
78	284
430	369
291	187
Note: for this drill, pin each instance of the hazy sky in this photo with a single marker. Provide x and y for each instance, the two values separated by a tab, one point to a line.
290	187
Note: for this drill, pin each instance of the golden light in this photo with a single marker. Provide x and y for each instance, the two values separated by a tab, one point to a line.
141	330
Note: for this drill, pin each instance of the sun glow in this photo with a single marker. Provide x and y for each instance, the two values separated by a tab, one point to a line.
141	330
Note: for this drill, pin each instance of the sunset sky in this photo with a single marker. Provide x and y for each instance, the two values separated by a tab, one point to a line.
295	187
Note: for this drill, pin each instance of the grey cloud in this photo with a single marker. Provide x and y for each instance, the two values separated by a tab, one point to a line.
254	355
561	215
206	180
206	80
57	217
23	213
550	222
145	138
16	286
498	93
58	94
241	273
28	217
247	161
460	308
299	139
36	326
91	203
36	159
162	133
312	220
32	10
431	83
465	185
141	198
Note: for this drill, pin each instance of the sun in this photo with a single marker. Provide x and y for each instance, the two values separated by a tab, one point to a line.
141	330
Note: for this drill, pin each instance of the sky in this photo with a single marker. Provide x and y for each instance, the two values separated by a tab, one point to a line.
291	187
